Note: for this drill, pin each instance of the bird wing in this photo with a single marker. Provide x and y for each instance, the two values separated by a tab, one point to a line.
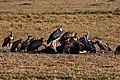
54	36
34	45
63	37
24	45
6	41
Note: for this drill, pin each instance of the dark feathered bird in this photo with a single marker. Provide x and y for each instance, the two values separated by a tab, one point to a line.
15	45
25	43
67	35
117	51
103	45
88	45
66	45
34	45
7	40
56	34
54	37
70	46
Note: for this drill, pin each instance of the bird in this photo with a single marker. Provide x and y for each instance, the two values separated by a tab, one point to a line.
70	46
103	45
117	51
15	45
54	37
68	35
88	44
87	36
7	41
25	43
34	44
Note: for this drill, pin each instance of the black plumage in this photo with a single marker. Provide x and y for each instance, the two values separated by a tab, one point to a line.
15	45
25	43
66	46
56	34
34	44
7	40
69	46
88	44
117	51
67	35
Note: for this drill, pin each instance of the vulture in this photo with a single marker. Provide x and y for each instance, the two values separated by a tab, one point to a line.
67	35
25	43
69	46
88	44
15	45
117	51
34	44
102	45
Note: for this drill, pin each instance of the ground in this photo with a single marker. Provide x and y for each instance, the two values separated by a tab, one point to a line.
59	66
40	17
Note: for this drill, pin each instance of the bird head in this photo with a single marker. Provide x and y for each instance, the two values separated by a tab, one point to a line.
10	34
42	39
60	28
29	37
20	40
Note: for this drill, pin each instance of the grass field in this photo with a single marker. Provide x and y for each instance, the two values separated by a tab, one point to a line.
39	18
22	66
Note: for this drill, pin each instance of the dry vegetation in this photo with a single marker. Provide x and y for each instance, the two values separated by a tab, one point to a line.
40	17
59	66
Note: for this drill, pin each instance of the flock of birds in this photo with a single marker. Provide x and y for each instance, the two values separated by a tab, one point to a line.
68	43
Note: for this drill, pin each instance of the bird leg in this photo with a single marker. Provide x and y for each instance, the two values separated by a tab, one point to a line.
9	45
54	45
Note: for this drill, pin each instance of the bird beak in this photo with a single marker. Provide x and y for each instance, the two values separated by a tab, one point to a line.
61	29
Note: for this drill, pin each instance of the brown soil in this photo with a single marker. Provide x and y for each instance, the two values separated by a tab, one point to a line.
40	17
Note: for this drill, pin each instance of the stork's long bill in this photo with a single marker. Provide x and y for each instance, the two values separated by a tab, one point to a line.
61	29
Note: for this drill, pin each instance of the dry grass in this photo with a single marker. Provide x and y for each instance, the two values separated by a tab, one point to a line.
59	66
40	17
105	26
